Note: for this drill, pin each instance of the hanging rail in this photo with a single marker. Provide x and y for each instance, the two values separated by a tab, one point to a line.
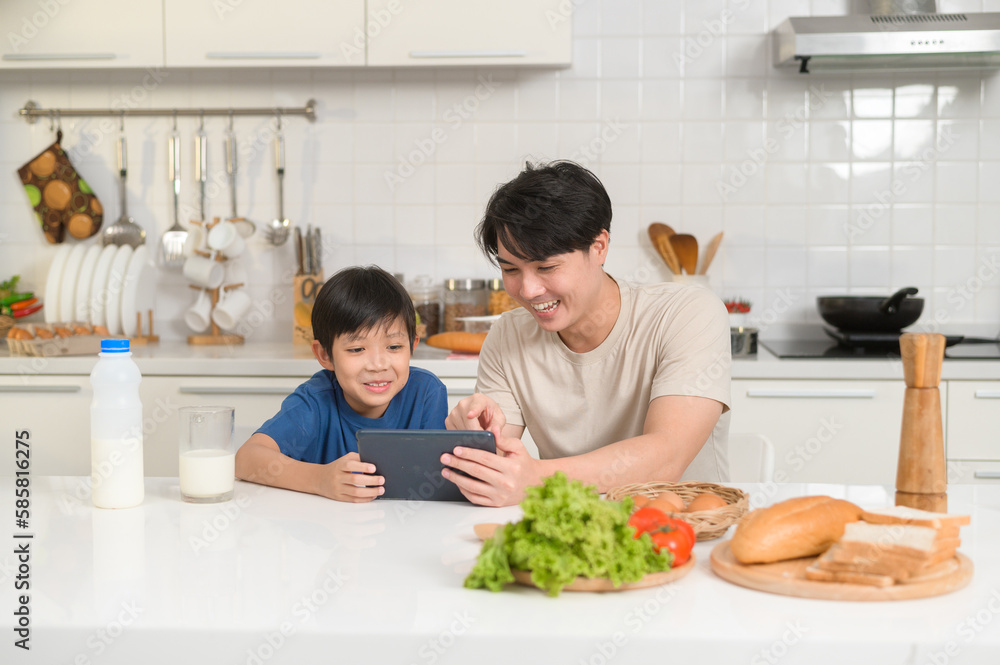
32	112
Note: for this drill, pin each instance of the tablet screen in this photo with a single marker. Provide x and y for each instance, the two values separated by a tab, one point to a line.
410	460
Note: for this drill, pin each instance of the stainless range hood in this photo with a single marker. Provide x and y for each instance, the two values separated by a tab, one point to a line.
888	42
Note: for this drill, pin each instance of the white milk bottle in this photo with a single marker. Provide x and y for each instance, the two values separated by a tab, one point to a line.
116	428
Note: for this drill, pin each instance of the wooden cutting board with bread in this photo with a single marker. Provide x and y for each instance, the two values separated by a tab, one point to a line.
820	547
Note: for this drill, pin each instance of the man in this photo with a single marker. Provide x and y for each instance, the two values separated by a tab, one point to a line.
616	383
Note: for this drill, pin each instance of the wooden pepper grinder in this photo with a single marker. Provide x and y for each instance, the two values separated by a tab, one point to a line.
921	477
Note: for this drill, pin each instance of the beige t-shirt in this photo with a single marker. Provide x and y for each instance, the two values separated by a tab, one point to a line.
669	339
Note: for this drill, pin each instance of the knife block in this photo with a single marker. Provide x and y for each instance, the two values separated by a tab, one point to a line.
921	475
306	288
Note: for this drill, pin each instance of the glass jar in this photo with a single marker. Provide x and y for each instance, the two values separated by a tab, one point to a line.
499	300
463	297
427	301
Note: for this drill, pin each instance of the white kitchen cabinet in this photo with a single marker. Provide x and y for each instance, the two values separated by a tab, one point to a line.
255	400
56	411
824	431
253	33
973	408
973	471
57	33
468	32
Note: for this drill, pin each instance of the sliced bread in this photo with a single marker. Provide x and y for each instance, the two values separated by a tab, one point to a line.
913	516
845	577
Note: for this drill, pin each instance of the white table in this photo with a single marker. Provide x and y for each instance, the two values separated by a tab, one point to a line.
280	577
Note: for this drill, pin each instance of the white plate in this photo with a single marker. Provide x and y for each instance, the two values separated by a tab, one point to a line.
67	292
81	309
137	291
53	283
116	282
98	283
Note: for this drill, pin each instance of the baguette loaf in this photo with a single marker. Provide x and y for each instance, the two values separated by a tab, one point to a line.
795	528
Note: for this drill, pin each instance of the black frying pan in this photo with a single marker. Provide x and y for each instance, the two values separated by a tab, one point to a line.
871	313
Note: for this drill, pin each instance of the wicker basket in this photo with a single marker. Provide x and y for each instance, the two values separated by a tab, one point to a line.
6	323
707	524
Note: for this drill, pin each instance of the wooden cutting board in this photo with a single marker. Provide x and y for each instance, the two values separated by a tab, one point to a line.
523	577
788	578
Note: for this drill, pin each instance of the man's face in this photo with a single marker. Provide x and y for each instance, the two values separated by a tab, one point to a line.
372	366
561	291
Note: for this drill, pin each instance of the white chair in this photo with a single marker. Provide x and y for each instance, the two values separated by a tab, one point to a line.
751	458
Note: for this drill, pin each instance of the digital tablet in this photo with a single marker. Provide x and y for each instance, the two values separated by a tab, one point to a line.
410	460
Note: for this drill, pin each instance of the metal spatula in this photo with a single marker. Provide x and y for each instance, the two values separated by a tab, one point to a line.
172	243
124	231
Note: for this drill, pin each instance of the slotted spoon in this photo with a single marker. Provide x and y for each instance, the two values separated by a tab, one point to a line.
277	232
172	243
124	231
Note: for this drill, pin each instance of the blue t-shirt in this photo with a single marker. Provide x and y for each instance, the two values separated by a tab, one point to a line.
316	424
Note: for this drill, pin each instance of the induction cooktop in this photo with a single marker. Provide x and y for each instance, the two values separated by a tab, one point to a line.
828	348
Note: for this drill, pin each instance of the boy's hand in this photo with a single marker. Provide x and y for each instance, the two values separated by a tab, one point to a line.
477	412
346	474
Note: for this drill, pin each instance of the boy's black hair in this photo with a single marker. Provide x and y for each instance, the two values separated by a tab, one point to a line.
548	209
359	299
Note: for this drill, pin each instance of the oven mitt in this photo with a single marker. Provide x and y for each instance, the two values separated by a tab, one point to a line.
61	198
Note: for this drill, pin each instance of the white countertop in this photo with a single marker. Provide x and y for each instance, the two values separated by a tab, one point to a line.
285	359
294	578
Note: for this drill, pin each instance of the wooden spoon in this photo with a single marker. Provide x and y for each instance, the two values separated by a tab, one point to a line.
659	235
686	248
713	247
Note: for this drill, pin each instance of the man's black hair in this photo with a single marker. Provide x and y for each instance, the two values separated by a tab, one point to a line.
546	210
360	299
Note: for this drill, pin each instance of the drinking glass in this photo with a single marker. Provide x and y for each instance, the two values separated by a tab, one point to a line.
207	453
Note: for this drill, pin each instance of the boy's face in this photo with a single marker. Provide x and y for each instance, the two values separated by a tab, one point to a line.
562	292
372	366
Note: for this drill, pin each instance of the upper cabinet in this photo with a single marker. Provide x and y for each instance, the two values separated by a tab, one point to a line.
58	34
260	33
468	32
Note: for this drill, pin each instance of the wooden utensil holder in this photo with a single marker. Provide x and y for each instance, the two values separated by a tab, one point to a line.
306	288
921	475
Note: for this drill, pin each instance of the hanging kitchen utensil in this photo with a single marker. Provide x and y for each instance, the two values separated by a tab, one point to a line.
686	248
659	235
201	167
871	313
278	231
172	242
244	226
124	231
62	200
713	247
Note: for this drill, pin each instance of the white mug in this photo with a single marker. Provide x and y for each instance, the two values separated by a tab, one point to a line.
195	239
235	273
197	315
203	271
225	237
231	308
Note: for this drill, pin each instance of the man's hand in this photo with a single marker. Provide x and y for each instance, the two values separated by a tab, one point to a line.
344	475
477	412
496	480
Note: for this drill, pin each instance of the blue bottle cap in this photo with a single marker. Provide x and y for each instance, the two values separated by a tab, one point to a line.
114	345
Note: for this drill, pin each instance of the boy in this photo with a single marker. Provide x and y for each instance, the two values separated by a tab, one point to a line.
617	383
365	329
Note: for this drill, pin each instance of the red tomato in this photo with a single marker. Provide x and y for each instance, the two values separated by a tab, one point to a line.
647	519
684	526
674	540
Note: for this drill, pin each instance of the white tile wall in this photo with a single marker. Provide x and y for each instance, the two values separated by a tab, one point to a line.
822	184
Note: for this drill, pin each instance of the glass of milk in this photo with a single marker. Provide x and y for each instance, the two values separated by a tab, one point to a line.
207	453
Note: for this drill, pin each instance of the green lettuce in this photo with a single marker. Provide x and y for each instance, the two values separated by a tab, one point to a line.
567	531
